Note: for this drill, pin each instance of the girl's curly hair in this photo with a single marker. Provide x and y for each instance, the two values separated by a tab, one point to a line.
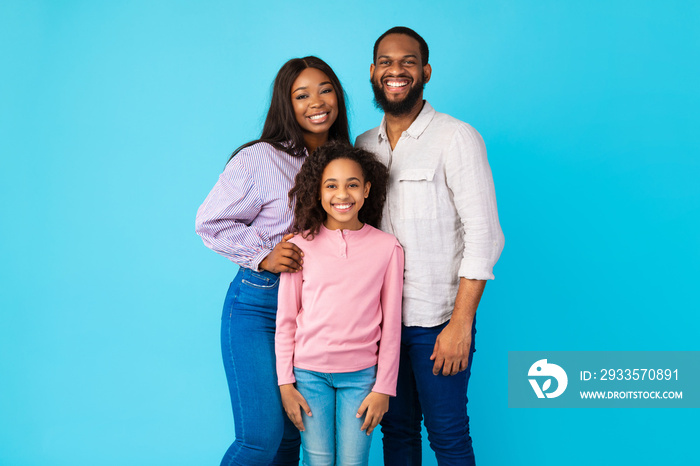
308	212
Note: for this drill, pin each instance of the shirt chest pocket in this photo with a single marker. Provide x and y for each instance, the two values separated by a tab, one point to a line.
417	194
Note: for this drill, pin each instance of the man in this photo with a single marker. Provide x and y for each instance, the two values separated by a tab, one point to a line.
441	205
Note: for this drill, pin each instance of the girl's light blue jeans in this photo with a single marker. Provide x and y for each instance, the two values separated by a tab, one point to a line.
332	433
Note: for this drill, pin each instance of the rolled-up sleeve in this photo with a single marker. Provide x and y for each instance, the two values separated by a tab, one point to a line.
470	180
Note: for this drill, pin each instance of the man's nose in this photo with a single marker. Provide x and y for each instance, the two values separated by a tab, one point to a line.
396	67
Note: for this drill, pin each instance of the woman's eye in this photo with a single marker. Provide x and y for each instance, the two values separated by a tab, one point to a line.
301	96
327	90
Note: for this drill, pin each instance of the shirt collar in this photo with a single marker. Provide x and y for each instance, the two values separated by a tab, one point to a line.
361	232
417	127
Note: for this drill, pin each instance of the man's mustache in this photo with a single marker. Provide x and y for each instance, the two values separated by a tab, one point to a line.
397	76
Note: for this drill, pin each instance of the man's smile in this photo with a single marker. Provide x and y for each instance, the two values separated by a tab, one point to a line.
396	84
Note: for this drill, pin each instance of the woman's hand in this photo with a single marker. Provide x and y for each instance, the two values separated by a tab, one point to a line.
285	257
293	403
376	405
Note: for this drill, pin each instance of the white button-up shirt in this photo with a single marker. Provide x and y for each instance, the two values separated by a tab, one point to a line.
441	206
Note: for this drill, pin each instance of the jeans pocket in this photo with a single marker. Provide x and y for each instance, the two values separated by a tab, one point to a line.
263	280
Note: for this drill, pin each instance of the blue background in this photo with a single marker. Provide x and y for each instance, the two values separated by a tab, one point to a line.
117	117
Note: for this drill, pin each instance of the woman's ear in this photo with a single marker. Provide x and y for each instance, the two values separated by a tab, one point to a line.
367	186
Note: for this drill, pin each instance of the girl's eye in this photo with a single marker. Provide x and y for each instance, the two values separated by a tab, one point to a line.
301	96
354	185
327	90
330	186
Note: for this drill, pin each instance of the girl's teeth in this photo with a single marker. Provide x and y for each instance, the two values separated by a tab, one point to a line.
317	117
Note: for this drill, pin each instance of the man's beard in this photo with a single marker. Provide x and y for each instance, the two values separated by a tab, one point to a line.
402	107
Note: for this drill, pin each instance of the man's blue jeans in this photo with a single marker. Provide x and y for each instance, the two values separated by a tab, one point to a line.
332	434
440	400
264	434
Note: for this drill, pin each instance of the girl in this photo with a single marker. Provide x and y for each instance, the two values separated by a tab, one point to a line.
245	218
339	319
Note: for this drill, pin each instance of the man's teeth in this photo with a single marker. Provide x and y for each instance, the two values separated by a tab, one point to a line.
317	117
397	84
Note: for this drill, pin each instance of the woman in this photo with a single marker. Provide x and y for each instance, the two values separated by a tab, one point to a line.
245	218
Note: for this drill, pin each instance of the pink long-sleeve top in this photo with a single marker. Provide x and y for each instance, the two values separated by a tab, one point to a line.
342	312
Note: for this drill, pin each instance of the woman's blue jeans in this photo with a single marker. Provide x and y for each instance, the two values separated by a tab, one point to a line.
332	434
264	434
440	400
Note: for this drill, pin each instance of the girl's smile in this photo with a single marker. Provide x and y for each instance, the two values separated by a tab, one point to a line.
343	207
343	193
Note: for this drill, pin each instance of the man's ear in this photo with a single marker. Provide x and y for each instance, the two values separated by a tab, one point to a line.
427	71
371	70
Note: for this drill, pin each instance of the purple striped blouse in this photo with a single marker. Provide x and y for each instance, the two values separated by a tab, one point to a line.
247	212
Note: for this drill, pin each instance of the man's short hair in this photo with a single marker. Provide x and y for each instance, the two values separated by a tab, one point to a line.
407	32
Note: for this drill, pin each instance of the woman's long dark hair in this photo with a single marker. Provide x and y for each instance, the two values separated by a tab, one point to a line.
281	129
308	212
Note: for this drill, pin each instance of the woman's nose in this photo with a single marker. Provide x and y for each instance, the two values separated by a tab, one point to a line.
316	101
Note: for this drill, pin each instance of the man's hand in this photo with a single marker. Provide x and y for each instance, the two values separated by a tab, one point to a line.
451	352
293	403
376	405
285	257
